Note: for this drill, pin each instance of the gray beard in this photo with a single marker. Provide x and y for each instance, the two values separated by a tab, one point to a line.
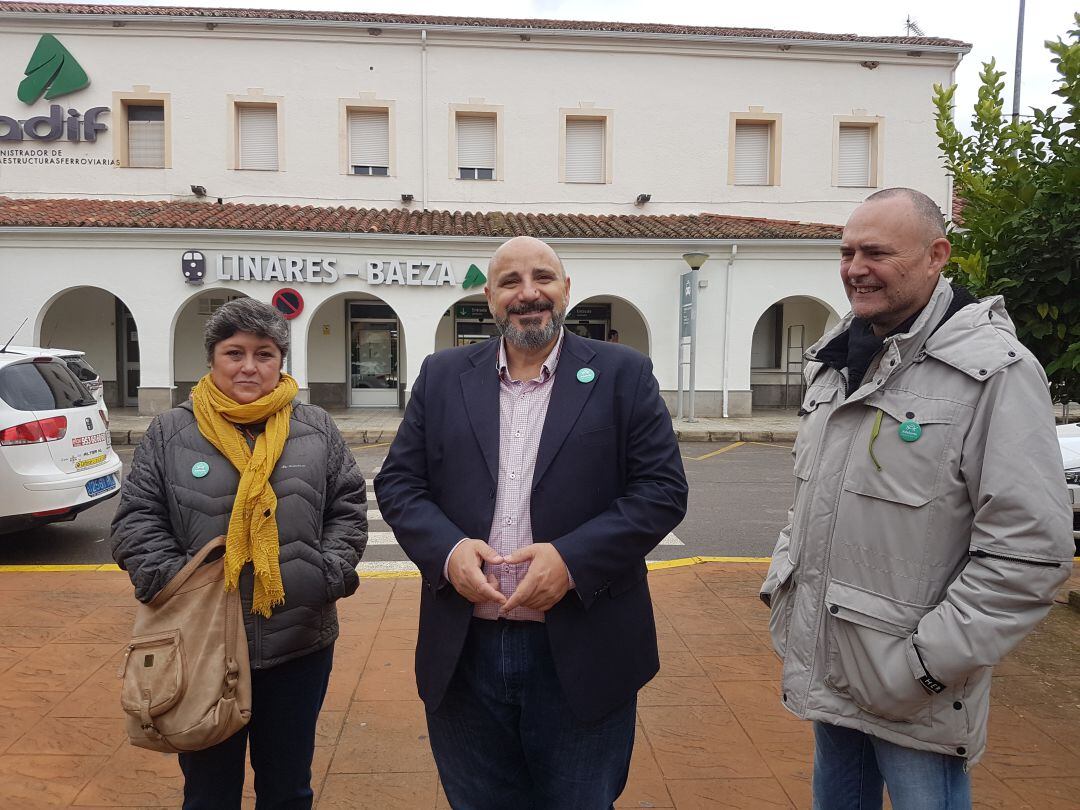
536	337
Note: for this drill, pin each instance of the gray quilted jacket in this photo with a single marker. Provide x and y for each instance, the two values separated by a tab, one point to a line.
166	514
910	568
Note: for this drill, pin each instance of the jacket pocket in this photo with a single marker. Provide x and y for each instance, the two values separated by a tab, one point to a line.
780	588
867	637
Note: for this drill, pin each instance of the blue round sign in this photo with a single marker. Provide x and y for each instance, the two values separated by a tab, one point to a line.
200	469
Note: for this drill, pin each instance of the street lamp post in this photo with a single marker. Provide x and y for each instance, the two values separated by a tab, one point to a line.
688	324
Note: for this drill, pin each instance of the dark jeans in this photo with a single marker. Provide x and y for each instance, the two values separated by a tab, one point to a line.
504	736
285	704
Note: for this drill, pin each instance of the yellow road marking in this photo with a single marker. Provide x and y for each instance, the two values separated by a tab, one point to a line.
770	444
685	561
716	452
368	446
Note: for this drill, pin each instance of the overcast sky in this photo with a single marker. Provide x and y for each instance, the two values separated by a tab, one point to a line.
990	25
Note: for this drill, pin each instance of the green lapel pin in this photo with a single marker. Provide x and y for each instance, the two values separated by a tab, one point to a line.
585	375
910	430
200	469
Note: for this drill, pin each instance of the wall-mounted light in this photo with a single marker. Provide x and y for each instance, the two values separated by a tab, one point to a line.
211	26
375	32
198	191
869	64
524	37
642	199
406	198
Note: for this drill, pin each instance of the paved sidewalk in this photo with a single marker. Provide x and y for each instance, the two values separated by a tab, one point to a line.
376	425
711	731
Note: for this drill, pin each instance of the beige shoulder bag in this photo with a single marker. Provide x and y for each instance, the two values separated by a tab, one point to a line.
187	679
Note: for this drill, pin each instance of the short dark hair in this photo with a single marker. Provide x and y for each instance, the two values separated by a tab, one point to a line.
926	209
246	315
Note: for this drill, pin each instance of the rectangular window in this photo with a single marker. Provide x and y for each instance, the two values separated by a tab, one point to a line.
476	146
753	153
585	139
854	156
369	142
146	136
257	138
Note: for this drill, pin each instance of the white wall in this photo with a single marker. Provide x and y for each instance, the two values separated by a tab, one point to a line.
83	319
652	89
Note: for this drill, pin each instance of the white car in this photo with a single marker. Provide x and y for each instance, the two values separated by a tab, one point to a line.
1069	441
76	361
56	457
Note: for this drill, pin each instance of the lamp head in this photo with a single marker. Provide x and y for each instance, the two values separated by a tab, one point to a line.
695	260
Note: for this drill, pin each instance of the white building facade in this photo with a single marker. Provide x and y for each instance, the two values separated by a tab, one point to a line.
323	154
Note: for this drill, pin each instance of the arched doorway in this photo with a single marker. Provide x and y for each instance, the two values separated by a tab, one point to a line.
93	320
467	321
599	316
189	352
781	336
356	353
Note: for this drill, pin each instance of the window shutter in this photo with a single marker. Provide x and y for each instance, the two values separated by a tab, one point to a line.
476	141
258	138
853	161
585	150
369	138
752	153
146	144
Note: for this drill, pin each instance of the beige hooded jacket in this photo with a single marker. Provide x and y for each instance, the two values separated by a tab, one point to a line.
910	568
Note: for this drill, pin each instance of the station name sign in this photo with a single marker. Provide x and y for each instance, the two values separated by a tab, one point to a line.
326	270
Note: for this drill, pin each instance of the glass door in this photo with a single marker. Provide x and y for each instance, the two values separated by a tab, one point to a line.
373	363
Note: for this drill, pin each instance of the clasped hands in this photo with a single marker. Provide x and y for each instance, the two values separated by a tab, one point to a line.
545	583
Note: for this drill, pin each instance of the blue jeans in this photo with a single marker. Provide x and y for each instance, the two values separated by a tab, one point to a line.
504	736
285	705
851	767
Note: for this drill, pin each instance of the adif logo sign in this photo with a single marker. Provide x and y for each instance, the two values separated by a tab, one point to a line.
53	72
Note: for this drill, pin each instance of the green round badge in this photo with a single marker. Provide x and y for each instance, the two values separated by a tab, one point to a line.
910	430
586	375
200	469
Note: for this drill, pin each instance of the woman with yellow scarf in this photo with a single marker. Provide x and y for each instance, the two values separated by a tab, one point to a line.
243	458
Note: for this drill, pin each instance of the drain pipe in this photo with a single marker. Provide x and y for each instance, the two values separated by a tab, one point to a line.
423	120
727	321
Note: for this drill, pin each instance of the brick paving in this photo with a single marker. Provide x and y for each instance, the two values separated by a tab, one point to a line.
711	731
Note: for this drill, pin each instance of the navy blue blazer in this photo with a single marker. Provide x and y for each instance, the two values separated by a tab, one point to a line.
608	486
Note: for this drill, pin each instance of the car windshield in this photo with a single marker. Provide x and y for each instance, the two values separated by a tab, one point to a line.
42	386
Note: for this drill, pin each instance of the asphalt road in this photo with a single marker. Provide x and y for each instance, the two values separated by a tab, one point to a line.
739	497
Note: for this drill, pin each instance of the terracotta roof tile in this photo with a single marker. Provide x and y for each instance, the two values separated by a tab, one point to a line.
59	213
374	20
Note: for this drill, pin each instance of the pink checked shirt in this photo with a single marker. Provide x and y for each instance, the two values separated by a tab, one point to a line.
523	407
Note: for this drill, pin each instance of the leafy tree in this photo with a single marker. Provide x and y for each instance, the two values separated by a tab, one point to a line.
1019	233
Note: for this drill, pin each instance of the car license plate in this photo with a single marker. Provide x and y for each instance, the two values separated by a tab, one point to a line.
99	485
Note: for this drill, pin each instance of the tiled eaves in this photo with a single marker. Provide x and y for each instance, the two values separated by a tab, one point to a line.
374	19
71	213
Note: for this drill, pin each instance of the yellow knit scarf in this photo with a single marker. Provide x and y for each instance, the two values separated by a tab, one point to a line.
253	530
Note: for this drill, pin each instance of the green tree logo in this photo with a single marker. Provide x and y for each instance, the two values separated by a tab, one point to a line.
52	70
473	278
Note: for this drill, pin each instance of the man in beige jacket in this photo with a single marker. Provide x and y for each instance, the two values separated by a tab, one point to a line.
930	528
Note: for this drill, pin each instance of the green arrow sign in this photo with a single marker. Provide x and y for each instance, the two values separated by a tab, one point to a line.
474	278
52	70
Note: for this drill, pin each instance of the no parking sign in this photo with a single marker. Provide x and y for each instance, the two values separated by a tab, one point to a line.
288	302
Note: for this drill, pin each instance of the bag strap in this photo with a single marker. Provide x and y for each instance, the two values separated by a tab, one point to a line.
190	567
233	621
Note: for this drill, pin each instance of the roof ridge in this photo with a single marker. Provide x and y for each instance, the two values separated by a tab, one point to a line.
538	24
